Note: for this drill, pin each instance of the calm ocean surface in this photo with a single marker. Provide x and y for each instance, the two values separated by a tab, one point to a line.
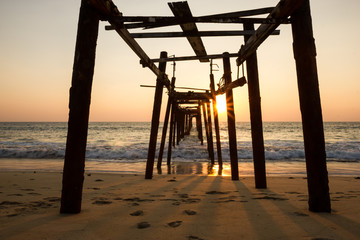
33	146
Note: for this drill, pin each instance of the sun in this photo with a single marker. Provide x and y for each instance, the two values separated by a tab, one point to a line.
221	103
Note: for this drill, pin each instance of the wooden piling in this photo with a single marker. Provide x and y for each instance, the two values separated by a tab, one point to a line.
171	133
79	106
206	126
231	119
166	123
216	122
199	124
155	119
211	142
255	116
310	105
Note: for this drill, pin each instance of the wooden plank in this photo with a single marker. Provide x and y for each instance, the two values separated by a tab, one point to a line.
181	11
79	106
109	12
192	34
191	96
282	11
311	113
231	120
255	116
155	121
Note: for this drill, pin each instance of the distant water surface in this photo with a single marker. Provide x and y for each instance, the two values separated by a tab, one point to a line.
127	142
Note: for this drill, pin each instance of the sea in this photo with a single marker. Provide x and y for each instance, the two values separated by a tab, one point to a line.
121	147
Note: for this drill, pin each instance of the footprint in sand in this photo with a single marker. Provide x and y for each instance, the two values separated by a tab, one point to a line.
174	224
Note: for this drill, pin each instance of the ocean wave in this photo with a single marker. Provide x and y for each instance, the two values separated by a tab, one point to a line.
185	151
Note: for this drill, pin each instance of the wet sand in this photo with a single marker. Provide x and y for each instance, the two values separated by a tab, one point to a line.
126	206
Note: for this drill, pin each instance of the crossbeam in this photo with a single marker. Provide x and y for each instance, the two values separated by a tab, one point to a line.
282	11
191	34
181	10
109	11
187	58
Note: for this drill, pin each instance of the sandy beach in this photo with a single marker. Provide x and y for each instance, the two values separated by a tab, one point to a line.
127	206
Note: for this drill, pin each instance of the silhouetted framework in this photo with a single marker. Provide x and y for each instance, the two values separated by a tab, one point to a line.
182	107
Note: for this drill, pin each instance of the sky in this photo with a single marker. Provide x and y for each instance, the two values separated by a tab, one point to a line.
37	43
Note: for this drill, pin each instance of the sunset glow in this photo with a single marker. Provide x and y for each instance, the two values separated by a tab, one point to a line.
221	103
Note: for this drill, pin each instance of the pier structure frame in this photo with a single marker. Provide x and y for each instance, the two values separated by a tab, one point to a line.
182	107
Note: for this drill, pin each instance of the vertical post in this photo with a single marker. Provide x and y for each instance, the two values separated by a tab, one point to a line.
255	115
206	127
171	133
199	124
155	119
166	123
211	143
216	121
231	119
310	105
79	107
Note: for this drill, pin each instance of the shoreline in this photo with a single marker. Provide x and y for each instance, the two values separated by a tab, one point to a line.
126	206
273	168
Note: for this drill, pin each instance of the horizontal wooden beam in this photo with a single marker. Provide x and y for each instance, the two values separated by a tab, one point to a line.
190	34
237	83
282	11
187	58
157	22
191	96
109	11
181	10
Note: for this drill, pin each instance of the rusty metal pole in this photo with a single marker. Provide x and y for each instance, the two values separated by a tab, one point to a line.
310	105
231	119
79	106
155	119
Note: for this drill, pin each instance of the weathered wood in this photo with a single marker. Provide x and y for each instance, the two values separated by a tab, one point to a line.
155	120
237	83
231	120
255	116
282	11
187	58
80	95
166	122
216	122
199	124
192	34
162	21
211	142
109	12
206	126
310	105
181	10
191	96
171	133
223	20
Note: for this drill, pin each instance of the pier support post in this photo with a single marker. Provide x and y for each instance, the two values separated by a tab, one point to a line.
211	142
79	107
166	123
216	122
171	133
310	105
255	116
231	119
155	119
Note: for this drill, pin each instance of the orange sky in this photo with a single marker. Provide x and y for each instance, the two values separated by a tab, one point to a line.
37	44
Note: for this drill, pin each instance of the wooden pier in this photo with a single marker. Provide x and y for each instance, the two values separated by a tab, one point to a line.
184	106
